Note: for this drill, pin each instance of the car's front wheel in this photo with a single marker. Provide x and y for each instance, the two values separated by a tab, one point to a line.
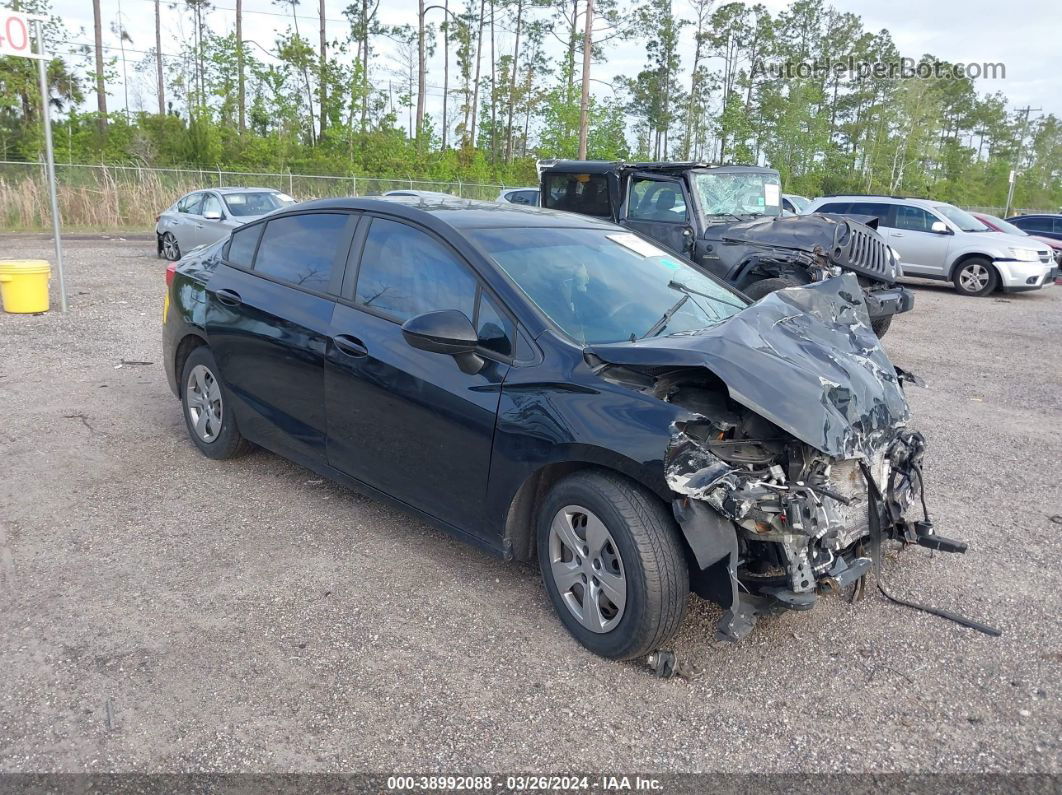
170	249
976	277
613	564
758	290
206	413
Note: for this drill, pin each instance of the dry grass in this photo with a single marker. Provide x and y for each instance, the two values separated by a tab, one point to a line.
102	202
93	198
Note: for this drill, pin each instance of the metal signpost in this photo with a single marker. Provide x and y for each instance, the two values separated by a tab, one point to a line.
15	40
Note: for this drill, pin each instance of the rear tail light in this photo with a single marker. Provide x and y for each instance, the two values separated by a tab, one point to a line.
171	271
157	217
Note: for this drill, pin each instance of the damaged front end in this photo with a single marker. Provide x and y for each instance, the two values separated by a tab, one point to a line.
774	523
790	459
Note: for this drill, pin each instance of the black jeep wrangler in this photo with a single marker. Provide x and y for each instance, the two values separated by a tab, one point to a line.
729	220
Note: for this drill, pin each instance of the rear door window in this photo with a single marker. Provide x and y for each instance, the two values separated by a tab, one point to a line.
878	210
840	208
302	249
1033	224
914	219
586	194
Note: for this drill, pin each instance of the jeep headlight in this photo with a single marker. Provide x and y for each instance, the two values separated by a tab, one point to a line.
1025	254
896	264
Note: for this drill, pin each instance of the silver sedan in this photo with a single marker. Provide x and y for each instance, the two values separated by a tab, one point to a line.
204	216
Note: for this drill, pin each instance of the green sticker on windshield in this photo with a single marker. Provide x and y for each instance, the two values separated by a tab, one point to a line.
667	262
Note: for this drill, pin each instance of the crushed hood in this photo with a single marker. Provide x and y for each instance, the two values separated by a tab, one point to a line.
804	358
841	241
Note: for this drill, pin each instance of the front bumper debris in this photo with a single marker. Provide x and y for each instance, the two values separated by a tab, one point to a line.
888	301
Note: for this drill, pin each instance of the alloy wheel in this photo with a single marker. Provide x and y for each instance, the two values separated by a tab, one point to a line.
587	568
170	248
974	277
204	403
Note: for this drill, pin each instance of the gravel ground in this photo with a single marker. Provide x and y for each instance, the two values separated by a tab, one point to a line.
163	612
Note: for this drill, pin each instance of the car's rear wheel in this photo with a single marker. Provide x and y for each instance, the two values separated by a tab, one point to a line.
209	421
612	564
170	249
758	290
976	277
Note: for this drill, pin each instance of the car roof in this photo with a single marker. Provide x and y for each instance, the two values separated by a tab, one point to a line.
460	213
235	189
510	190
870	197
1037	215
608	166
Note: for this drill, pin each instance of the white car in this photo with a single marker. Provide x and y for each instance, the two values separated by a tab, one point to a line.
528	196
937	240
205	216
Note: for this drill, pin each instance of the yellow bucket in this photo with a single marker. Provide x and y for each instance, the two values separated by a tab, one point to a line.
24	285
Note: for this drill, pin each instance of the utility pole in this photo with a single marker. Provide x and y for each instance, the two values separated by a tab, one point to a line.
101	90
1017	160
158	60
584	102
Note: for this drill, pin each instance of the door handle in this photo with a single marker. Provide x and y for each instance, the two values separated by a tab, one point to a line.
229	297
351	346
896	234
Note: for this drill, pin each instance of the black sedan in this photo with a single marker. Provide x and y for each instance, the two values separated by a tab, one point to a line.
546	384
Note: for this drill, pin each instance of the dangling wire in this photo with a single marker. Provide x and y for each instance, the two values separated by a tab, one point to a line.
876	503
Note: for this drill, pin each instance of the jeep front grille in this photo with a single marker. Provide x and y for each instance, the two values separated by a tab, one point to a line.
867	252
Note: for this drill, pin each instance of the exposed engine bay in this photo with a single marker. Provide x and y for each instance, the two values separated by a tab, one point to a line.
790	461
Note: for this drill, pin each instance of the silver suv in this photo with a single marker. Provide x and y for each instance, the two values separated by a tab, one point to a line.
936	240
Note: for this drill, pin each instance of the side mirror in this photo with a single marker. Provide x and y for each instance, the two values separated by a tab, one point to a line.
940	228
212	215
450	332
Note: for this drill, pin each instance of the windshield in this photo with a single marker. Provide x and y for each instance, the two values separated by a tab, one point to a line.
740	193
800	202
602	285
961	218
255	202
1006	226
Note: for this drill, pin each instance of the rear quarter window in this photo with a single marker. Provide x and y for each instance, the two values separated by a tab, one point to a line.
241	246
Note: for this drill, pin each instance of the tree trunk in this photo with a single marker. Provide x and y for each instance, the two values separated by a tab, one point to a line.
446	72
573	34
323	87
101	89
241	87
158	59
493	93
365	64
422	69
584	101
475	88
512	84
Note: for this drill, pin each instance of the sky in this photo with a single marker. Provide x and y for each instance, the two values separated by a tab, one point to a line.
1025	36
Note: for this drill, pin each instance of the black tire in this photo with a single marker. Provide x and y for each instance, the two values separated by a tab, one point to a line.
225	441
758	290
970	277
881	325
653	563
170	248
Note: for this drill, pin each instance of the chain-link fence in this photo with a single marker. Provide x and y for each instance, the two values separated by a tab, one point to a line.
98	198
